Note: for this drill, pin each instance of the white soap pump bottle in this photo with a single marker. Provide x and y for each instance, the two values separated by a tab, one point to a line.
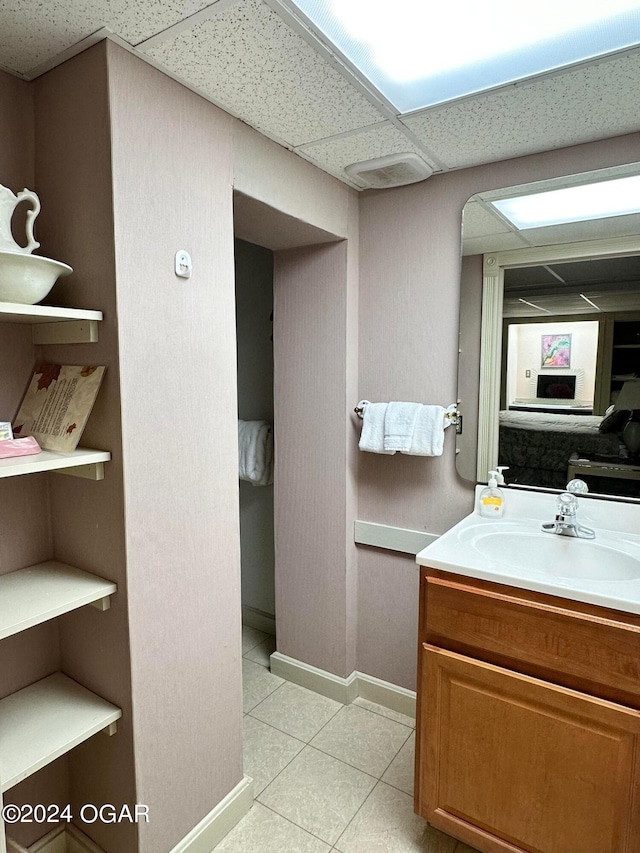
491	498
500	475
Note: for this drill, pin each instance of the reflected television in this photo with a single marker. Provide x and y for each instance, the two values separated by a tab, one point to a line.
554	387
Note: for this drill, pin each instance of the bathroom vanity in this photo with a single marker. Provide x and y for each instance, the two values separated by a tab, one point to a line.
528	734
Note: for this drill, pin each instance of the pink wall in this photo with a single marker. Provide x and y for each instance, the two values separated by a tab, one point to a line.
73	172
172	178
409	294
315	555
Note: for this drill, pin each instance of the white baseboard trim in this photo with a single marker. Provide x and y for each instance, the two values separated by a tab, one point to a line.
202	838
319	680
345	690
65	839
220	820
259	620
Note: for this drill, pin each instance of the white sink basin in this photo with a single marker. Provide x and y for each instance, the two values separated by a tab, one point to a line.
514	550
557	556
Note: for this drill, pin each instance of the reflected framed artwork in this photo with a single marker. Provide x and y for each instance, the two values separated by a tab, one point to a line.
556	351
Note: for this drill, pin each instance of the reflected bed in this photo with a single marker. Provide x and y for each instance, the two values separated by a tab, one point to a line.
537	445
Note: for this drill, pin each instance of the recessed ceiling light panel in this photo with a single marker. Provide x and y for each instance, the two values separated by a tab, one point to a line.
419	54
579	203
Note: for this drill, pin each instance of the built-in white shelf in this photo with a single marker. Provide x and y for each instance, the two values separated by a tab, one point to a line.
52	325
44	721
42	592
82	463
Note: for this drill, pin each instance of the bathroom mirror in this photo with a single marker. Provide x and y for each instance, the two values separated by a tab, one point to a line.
549	334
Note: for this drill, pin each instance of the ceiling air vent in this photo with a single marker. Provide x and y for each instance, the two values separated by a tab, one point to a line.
393	170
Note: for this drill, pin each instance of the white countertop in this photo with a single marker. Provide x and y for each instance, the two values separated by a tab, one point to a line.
549	563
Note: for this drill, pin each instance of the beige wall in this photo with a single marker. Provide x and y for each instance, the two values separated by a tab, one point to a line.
409	294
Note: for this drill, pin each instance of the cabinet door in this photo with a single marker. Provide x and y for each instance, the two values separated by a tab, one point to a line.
512	763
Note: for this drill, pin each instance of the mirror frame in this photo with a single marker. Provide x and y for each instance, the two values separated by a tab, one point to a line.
494	265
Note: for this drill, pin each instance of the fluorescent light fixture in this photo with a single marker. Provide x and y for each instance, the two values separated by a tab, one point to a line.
617	197
533	305
419	54
593	304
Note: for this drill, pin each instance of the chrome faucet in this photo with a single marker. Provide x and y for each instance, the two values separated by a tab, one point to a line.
565	523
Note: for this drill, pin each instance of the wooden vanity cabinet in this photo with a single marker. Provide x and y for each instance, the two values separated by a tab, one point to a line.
528	730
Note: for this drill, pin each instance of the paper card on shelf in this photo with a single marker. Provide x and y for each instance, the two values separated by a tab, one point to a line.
57	404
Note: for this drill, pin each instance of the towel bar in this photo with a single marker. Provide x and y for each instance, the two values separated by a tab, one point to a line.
454	417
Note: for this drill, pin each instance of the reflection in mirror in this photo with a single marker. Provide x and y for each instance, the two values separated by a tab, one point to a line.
558	353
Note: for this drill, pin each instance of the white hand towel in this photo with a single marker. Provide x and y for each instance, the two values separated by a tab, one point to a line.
372	435
255	452
399	425
428	436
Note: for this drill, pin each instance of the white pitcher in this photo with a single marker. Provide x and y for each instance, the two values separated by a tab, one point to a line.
8	203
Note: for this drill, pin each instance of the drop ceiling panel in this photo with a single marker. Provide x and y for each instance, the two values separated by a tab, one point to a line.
377	141
494	243
479	221
582	105
600	270
576	232
529	277
249	61
32	32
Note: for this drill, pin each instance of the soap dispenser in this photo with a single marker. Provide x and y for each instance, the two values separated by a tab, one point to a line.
491	498
500	475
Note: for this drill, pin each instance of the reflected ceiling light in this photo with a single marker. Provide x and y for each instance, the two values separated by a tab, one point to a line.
586	299
618	197
419	54
533	305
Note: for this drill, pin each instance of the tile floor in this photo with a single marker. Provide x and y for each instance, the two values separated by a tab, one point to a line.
327	776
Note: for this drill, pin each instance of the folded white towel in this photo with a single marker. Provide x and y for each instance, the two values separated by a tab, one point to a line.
399	425
428	435
372	435
255	452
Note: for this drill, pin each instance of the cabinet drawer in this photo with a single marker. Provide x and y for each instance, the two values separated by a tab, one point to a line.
513	764
588	649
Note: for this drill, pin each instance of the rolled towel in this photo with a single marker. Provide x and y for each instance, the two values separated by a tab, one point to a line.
399	425
428	435
255	452
372	435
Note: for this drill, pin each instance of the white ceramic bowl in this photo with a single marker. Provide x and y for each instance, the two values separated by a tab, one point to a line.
28	278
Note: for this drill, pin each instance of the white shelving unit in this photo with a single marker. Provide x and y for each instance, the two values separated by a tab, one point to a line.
47	590
44	721
49	718
81	463
54	325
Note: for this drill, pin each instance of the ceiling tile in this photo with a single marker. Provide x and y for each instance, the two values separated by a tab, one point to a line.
250	62
494	243
377	141
479	221
589	103
33	32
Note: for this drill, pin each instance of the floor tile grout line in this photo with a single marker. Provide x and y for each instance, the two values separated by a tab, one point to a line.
353	766
275	728
357	812
293	823
396	755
